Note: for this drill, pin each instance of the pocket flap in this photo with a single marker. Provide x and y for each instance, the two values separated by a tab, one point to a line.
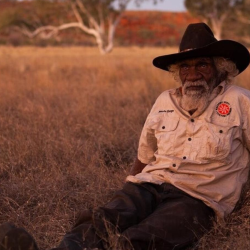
164	123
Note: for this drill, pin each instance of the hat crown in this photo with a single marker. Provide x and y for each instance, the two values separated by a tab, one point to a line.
197	35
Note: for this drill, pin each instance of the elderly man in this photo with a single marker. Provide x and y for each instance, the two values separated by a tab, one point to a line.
193	155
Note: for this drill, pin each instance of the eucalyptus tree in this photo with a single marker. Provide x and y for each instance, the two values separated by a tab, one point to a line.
97	18
215	12
243	13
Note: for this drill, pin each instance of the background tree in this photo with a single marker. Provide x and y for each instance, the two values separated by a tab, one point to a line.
243	12
97	18
215	12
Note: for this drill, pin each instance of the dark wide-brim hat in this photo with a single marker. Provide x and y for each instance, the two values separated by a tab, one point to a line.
199	41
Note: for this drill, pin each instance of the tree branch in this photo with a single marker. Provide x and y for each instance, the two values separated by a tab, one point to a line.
76	13
87	13
51	30
87	22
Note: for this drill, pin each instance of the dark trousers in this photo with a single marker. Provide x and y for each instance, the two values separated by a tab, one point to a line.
142	217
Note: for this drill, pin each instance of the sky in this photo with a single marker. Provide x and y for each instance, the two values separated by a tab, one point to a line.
164	5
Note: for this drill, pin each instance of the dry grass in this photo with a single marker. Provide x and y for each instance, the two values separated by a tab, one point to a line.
69	126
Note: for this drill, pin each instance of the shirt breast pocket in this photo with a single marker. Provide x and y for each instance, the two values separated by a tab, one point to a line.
165	133
218	141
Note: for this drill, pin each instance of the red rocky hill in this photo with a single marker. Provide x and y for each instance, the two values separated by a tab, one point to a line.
153	28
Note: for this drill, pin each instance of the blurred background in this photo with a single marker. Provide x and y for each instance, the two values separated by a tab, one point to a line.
109	23
77	83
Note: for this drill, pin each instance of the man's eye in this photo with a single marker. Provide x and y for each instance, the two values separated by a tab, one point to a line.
184	67
202	65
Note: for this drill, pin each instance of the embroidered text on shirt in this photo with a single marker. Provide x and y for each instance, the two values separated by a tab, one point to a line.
168	111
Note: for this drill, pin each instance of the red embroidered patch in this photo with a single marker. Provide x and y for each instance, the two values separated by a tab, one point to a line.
223	108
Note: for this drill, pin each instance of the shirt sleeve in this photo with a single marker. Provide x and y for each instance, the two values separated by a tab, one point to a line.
147	145
245	105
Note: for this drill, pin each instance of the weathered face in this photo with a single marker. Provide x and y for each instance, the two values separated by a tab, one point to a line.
196	70
198	77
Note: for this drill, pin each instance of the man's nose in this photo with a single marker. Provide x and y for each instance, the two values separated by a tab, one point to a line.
193	75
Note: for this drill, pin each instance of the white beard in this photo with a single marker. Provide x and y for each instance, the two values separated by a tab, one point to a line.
196	100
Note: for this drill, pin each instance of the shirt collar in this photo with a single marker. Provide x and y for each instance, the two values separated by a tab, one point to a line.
217	90
221	87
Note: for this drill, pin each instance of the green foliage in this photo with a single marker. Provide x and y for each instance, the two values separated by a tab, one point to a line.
45	12
32	14
219	13
8	17
145	33
245	9
12	16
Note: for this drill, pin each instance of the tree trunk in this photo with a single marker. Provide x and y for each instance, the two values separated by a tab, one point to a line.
104	47
217	23
217	29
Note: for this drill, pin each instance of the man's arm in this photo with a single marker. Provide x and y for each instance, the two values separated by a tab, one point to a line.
137	167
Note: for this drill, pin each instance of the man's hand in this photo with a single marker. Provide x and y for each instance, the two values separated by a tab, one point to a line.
137	167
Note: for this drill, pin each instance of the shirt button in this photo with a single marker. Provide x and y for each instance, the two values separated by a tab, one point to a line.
163	127
174	165
189	139
221	131
192	120
184	157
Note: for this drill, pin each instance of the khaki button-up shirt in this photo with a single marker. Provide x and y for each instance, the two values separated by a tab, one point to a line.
205	156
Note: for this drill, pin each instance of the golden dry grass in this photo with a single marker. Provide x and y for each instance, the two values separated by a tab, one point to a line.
70	120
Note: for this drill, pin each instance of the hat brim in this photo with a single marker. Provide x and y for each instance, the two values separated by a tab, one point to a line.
232	50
